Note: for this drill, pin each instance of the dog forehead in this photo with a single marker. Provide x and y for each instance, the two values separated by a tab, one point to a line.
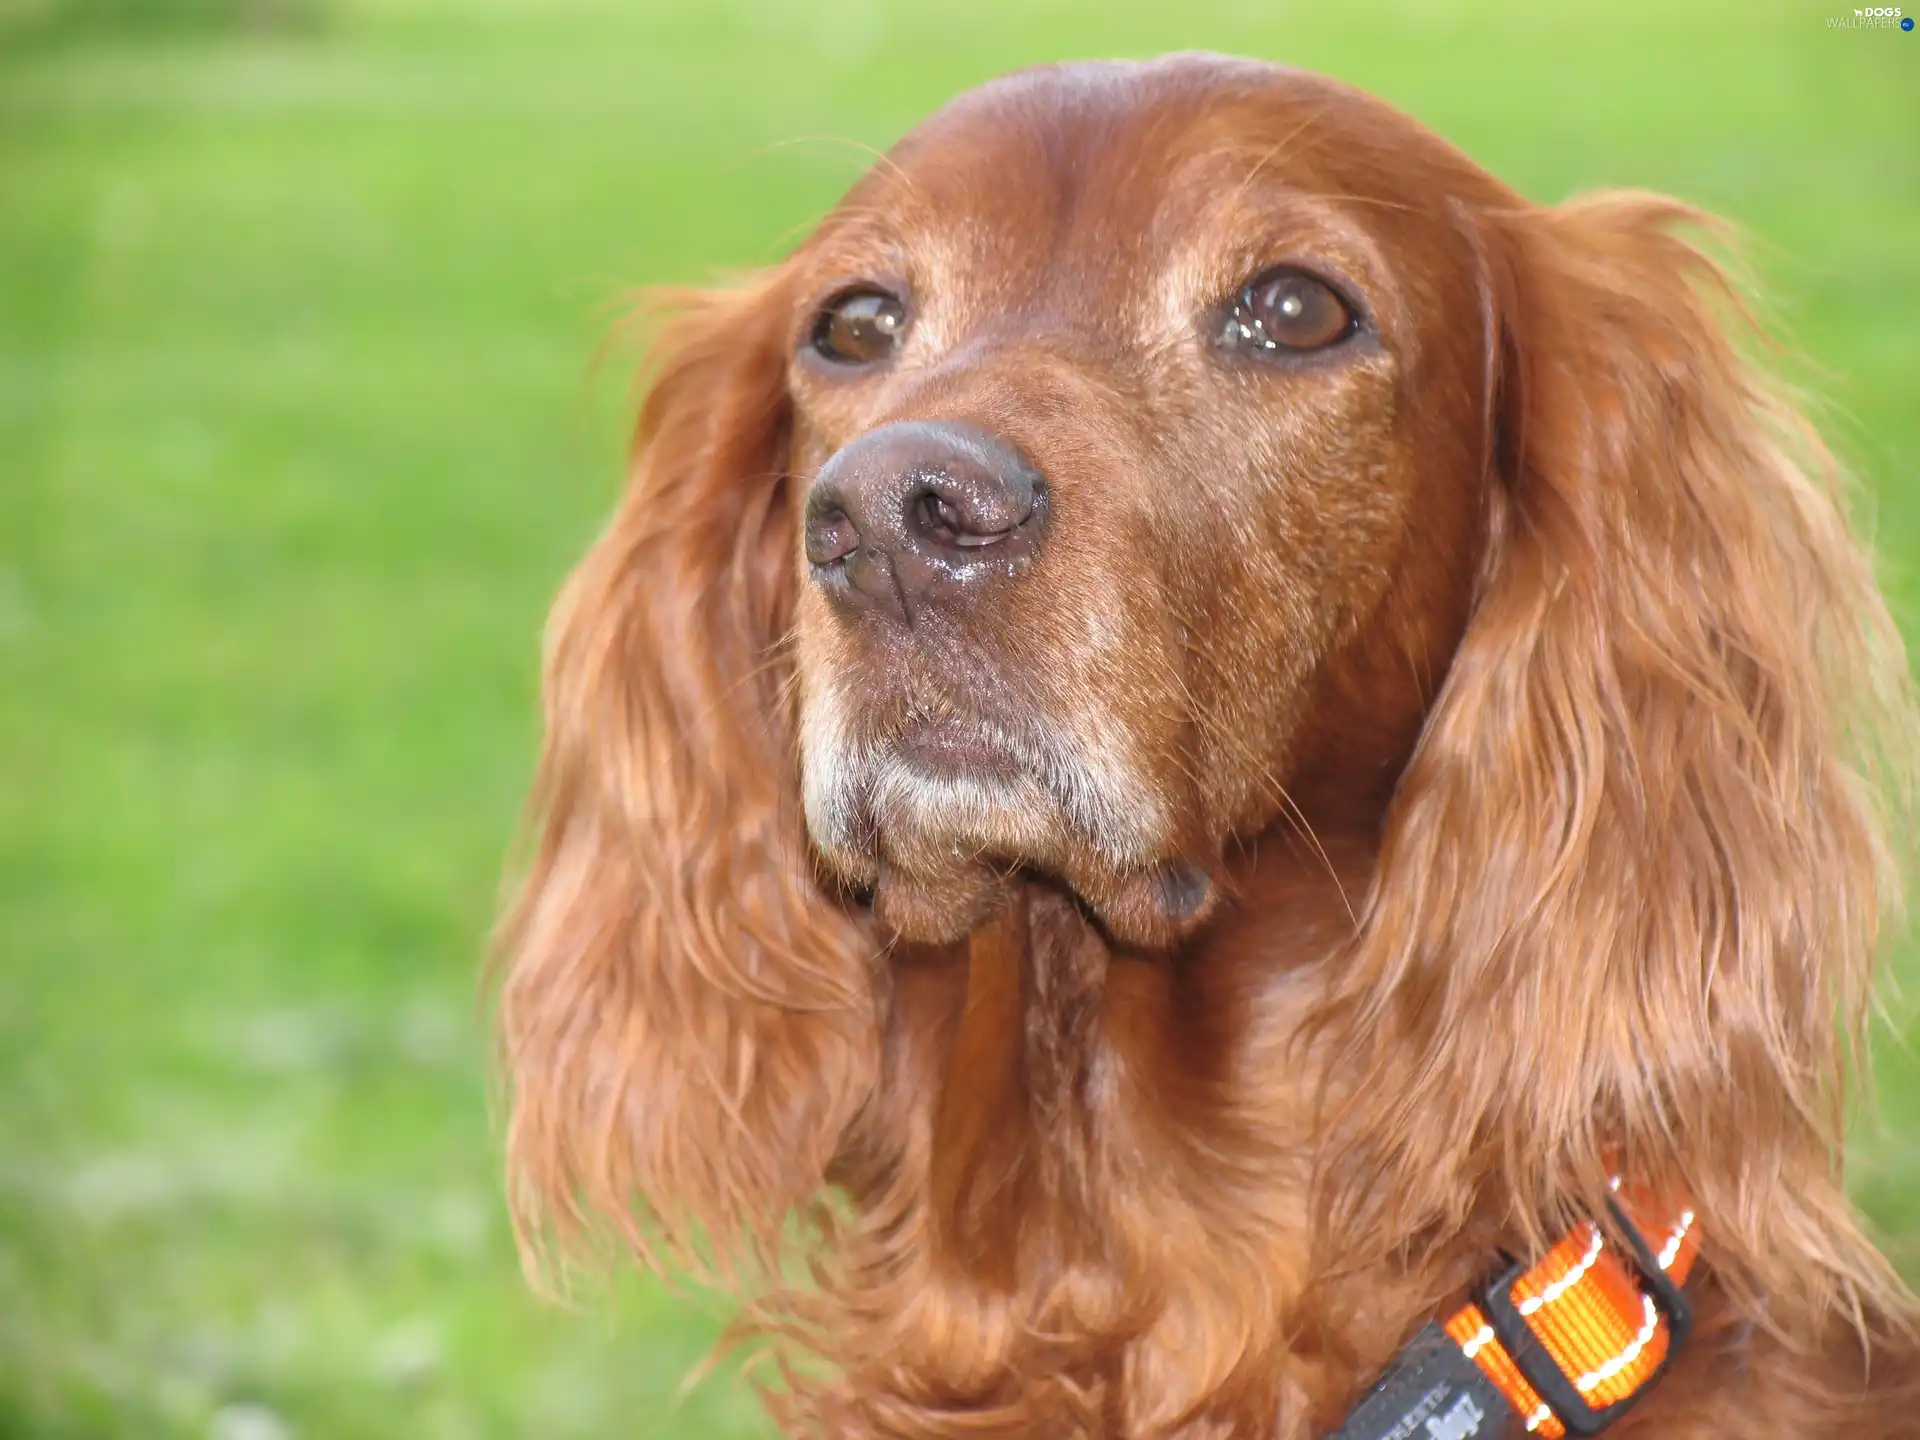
1122	161
1075	114
1083	118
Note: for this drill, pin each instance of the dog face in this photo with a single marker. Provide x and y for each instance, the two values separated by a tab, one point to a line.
1138	412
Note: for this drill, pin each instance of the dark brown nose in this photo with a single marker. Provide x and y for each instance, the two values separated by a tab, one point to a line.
922	510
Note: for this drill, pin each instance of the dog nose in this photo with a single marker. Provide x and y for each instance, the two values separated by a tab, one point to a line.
916	509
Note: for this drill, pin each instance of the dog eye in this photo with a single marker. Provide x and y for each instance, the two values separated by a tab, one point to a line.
1289	310
862	327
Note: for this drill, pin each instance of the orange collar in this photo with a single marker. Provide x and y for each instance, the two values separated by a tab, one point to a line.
1605	1320
1569	1344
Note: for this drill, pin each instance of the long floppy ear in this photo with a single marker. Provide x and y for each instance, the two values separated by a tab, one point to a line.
1631	883
687	1017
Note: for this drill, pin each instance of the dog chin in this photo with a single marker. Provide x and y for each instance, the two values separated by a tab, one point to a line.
894	817
941	850
936	872
940	909
1151	908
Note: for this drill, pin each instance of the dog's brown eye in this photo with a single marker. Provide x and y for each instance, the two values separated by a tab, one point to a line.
1289	310
860	328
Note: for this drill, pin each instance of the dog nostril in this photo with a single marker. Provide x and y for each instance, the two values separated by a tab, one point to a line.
831	536
939	518
943	521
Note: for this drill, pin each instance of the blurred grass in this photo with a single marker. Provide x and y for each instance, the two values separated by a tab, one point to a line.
296	303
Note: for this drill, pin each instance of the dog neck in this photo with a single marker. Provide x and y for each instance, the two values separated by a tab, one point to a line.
1013	1147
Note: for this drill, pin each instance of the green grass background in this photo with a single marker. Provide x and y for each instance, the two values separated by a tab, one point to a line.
297	437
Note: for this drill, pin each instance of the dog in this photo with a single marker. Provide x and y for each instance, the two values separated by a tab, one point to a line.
1210	767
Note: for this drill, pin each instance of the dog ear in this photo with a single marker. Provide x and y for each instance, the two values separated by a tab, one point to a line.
1631	882
687	1017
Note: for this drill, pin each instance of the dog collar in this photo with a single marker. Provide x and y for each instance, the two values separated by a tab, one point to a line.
1568	1345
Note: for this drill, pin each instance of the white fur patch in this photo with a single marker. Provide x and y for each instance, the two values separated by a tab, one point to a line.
1071	784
